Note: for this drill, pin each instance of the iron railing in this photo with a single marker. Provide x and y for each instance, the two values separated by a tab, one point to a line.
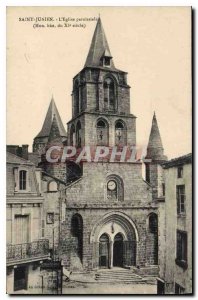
31	250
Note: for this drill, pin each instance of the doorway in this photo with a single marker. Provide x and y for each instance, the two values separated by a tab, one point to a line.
104	251
118	251
20	278
77	231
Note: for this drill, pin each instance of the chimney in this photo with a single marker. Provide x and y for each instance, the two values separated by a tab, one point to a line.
24	153
18	151
12	149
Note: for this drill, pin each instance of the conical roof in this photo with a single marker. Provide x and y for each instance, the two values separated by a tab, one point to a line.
99	47
155	148
47	125
54	132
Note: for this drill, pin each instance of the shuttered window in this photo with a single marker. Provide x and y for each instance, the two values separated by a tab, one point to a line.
21	229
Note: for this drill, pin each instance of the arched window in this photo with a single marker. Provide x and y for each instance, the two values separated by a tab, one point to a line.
115	190
22	180
104	238
52	186
72	135
120	133
78	134
102	133
109	94
77	231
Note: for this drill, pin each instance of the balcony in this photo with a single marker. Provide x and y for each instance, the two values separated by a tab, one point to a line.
27	252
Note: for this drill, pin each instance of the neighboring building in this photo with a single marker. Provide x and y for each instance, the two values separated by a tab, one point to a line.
26	248
111	212
176	264
35	210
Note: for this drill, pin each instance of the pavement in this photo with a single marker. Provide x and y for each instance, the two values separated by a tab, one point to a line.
104	288
86	284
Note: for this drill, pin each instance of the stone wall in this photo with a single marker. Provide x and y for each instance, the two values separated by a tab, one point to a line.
87	197
94	216
88	88
91	188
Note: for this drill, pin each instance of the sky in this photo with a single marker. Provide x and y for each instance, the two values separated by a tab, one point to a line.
152	44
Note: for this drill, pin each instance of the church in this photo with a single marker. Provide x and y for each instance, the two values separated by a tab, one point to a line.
111	212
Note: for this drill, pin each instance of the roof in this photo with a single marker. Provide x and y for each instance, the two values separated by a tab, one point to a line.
53	177
155	148
14	159
155	138
99	47
178	161
51	113
34	157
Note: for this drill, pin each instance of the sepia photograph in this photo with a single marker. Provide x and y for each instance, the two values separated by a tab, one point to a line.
99	150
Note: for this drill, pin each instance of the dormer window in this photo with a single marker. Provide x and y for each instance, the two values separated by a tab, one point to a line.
106	58
107	61
22	180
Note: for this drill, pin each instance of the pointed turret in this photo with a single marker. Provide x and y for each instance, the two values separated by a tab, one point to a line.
99	52
52	129
155	152
155	148
52	111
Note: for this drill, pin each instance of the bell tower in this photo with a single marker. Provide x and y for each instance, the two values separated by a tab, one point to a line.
101	100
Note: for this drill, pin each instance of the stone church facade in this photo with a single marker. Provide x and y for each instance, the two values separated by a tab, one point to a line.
111	217
111	211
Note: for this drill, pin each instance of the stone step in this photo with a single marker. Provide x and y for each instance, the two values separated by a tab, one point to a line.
113	272
119	280
117	276
109	271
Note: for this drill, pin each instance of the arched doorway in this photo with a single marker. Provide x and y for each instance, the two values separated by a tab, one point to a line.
118	250
77	233
152	239
104	251
121	237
